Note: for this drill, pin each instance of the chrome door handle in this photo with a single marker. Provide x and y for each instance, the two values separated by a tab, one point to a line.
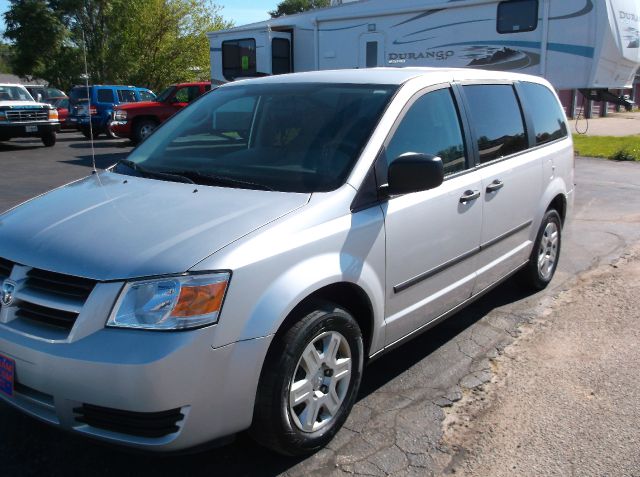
469	196
495	186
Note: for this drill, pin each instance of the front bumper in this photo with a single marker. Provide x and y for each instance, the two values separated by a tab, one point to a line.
138	372
121	128
28	129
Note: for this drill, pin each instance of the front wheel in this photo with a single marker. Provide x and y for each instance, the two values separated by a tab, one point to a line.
49	139
143	129
545	254
309	382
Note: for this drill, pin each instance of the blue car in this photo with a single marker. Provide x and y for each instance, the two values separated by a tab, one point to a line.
96	103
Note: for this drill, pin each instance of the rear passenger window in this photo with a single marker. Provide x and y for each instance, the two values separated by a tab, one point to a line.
497	119
517	16
546	114
105	96
127	95
431	126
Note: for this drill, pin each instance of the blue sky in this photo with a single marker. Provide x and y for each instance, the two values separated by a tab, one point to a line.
240	11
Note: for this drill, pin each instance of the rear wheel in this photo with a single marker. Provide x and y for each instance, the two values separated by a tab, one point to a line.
49	139
309	382
545	254
143	129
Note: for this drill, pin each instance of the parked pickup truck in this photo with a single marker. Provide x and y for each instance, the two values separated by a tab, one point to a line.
137	120
21	116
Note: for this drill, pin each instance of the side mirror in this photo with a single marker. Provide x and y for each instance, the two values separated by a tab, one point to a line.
413	172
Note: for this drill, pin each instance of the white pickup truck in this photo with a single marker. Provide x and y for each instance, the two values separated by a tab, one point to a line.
22	116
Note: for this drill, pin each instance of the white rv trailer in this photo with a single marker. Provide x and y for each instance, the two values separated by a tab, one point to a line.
575	44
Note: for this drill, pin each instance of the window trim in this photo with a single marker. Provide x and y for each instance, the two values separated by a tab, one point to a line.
535	25
255	48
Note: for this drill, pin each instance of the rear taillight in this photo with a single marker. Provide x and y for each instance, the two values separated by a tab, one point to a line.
93	111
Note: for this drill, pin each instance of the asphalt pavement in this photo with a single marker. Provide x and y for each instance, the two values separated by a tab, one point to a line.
396	427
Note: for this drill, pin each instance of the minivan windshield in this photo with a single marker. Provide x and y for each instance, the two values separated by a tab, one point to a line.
289	137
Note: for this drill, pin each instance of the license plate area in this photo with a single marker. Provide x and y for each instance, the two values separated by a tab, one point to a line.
7	375
31	129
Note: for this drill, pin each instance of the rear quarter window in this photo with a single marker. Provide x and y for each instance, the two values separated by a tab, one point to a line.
546	114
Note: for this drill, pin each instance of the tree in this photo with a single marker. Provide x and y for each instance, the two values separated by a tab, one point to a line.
38	37
168	42
291	7
5	58
144	42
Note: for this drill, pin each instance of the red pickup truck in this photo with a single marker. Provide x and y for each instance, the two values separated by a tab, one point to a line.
137	120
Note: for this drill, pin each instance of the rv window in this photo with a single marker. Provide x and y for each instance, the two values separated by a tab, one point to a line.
546	114
517	16
497	118
431	126
280	56
372	54
239	58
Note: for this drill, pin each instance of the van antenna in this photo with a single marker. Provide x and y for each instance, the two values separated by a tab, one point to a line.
86	79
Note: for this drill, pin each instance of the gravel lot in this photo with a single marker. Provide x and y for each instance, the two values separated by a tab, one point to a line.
397	425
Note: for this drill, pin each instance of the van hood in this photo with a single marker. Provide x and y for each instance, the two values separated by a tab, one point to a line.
110	226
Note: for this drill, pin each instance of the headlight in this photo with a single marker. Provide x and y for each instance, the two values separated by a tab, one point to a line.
120	115
53	114
172	303
3	116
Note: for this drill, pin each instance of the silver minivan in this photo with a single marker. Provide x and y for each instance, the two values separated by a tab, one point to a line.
242	265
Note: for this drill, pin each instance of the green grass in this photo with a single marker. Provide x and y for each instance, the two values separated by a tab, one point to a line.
626	148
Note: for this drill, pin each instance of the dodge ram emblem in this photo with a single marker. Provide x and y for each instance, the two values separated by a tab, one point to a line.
8	287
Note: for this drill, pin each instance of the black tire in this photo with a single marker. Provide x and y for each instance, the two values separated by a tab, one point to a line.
274	422
142	129
87	133
49	139
533	276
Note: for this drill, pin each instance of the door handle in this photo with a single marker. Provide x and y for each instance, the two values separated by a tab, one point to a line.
495	186
469	196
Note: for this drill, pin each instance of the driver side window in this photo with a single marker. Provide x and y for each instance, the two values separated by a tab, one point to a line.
431	126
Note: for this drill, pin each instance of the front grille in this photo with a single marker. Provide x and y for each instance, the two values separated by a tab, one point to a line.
141	424
45	315
28	115
5	268
58	284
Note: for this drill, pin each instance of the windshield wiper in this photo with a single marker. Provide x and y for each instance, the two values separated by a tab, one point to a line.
214	179
144	172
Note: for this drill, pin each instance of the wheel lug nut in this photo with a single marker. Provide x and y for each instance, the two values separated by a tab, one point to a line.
328	372
324	389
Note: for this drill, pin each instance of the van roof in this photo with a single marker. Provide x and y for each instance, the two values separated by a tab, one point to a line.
392	76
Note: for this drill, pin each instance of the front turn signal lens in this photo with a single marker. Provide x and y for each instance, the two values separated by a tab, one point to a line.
53	115
199	300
